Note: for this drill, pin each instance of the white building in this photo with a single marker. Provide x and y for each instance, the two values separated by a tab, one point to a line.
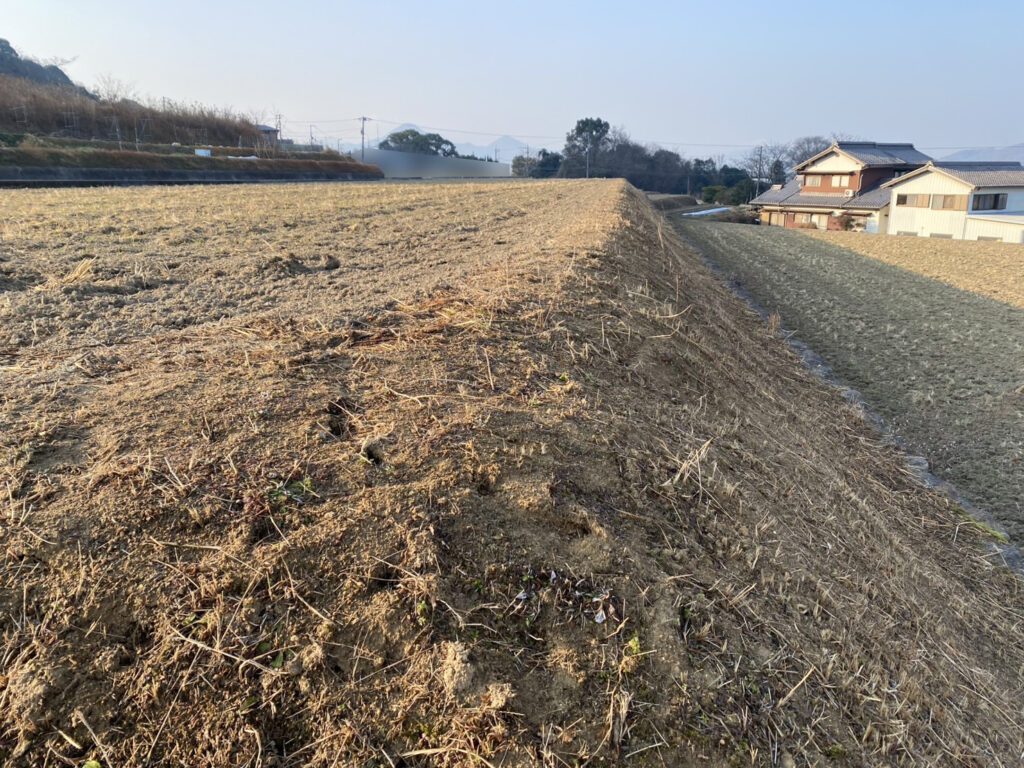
962	201
840	187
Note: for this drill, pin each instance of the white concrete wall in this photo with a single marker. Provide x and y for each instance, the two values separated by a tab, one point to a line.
409	165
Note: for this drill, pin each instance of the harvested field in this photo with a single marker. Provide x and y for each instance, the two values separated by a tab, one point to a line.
989	269
944	366
454	475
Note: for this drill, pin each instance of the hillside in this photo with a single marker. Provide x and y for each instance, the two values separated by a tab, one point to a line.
12	64
43	101
455	475
1014	152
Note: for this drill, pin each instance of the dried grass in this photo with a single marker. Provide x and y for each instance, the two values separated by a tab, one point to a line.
607	517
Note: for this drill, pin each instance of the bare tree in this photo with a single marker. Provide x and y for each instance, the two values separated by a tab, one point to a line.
113	89
806	147
759	161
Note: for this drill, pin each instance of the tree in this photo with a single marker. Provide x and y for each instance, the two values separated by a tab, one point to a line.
805	148
523	166
411	140
759	162
582	144
778	172
547	165
543	166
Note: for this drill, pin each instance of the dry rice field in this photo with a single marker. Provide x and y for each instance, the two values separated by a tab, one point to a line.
995	270
454	475
943	365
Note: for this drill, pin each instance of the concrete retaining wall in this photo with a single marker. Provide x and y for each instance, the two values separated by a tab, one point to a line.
25	176
408	165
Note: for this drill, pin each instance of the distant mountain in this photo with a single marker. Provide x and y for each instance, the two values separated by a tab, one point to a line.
506	148
1011	153
11	63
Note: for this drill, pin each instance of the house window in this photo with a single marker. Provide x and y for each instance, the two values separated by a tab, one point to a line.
812	181
949	202
995	202
841	180
941	236
990	239
804	218
913	201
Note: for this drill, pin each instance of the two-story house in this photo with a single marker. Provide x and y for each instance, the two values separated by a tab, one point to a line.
840	188
959	200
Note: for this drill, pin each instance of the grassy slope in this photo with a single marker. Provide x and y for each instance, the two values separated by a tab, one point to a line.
63	158
551	494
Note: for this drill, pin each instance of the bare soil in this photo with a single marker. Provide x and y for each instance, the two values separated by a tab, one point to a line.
989	269
454	475
943	365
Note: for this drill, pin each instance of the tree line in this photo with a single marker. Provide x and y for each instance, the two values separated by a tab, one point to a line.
594	149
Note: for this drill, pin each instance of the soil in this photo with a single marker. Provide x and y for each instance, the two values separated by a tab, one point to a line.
454	475
989	269
944	366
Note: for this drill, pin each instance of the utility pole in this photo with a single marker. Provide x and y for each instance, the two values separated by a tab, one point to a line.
760	170
362	138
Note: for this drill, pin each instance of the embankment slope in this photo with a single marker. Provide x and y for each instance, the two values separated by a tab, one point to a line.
454	475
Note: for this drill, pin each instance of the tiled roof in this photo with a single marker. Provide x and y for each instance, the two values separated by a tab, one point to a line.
874	154
874	199
986	174
773	195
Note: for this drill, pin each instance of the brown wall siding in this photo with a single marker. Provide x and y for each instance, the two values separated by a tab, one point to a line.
872	176
826	187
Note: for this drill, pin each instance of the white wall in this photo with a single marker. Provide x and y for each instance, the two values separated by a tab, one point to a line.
1008	233
924	222
409	165
834	163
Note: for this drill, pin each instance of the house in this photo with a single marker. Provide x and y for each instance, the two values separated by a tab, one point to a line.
959	200
840	188
269	136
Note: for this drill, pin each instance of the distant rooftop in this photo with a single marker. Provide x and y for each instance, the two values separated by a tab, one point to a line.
874	154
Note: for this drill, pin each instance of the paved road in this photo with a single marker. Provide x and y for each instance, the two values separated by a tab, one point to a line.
942	366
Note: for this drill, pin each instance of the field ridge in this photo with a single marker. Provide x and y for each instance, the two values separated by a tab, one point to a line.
455	475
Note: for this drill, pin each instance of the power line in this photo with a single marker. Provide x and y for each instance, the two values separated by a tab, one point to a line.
561	137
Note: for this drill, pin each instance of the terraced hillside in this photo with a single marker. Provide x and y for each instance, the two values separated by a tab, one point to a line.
475	474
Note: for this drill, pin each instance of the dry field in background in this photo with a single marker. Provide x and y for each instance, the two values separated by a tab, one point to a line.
942	365
995	270
454	475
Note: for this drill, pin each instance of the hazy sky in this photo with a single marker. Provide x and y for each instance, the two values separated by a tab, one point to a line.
702	78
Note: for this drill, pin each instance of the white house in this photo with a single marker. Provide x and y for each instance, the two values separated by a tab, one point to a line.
962	201
840	187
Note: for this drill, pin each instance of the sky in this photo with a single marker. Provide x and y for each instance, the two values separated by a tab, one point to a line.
705	79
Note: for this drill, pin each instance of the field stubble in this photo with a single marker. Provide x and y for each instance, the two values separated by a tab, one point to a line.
942	365
454	475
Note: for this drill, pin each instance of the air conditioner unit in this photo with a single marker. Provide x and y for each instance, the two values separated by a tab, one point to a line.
849	192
